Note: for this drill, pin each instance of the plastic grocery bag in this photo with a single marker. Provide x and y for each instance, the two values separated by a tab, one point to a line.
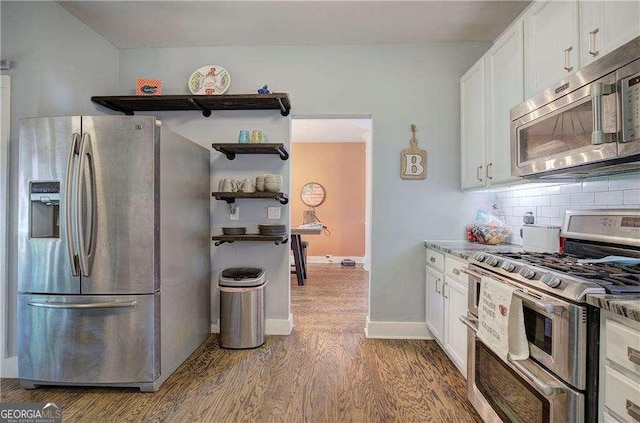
487	229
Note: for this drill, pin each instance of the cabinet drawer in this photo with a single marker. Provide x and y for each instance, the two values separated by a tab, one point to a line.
622	395
435	259
623	345
453	268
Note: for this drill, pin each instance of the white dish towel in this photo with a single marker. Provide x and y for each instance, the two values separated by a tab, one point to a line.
501	320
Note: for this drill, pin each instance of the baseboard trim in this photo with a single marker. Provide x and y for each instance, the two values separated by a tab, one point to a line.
278	326
9	367
271	326
334	259
397	330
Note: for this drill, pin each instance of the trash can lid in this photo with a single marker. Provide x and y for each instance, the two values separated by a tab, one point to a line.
242	276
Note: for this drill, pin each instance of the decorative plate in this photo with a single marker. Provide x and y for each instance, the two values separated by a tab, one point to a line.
209	80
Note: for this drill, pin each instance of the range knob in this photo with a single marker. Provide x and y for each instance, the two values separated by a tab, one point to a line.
479	257
508	266
527	273
552	280
492	261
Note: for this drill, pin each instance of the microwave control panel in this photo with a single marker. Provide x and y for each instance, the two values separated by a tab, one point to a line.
631	108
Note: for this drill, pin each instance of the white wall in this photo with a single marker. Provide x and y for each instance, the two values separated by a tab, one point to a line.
58	64
398	85
548	203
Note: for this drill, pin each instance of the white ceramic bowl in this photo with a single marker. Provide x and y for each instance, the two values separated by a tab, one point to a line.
273	178
273	186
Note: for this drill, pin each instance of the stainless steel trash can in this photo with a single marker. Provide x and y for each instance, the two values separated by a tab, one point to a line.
242	307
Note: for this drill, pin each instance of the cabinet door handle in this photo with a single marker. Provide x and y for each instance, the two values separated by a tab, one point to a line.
489	172
432	259
439	292
444	286
479	173
567	59
633	355
633	410
456	271
592	43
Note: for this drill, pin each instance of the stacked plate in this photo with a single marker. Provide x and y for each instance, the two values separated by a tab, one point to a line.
272	230
237	230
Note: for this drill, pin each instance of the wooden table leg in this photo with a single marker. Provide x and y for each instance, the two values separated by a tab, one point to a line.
296	245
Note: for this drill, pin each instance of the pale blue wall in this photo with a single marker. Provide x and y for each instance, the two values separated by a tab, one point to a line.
398	85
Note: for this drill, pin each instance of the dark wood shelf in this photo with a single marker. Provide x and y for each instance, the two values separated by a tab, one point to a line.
221	239
129	104
231	149
230	197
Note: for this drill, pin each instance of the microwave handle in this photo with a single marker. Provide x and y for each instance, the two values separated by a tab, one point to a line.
598	90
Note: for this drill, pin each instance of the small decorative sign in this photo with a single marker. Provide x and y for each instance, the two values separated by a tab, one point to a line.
413	161
148	86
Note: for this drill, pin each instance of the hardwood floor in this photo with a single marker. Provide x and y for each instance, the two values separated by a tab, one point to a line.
325	371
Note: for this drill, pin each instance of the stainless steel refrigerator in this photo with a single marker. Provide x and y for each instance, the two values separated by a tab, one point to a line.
114	242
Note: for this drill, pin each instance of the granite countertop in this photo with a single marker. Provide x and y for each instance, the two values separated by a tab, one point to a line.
624	305
465	249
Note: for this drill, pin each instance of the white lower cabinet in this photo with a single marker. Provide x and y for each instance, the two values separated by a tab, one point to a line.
435	303
446	301
455	305
619	396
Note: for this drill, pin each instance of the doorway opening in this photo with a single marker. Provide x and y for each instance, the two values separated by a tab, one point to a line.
331	174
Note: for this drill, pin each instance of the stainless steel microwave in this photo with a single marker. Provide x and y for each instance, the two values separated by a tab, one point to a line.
586	125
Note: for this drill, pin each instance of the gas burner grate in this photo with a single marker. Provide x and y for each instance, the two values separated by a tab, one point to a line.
614	278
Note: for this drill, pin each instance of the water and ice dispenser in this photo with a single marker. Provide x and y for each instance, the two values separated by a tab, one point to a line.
44	210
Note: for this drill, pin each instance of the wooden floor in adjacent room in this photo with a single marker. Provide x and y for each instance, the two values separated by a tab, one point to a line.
325	371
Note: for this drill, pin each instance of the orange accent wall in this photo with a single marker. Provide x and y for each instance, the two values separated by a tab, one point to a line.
340	168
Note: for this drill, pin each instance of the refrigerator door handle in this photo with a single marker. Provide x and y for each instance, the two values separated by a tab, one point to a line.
68	196
52	304
85	249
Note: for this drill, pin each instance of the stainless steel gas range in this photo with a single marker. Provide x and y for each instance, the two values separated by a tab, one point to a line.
558	382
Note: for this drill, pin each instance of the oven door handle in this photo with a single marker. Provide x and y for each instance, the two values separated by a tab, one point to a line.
470	272
541	305
548	390
470	322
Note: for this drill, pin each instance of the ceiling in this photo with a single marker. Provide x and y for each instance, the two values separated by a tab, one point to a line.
330	130
151	24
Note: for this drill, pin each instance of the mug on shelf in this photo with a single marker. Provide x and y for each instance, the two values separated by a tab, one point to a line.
228	185
243	137
247	186
256	137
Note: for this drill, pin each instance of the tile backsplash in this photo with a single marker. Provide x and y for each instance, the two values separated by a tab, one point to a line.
548	203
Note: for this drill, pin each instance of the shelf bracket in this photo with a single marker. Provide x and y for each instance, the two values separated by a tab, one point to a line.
284	241
229	200
283	110
283	153
282	199
115	107
205	112
219	243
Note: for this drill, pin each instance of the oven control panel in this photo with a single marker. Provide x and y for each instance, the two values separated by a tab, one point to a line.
612	226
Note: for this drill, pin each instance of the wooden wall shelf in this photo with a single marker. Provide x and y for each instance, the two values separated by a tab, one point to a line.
230	197
205	103
221	239
231	149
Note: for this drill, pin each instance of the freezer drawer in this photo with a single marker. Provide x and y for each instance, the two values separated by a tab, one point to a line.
89	339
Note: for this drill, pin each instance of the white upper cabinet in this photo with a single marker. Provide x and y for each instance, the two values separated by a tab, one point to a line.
472	126
606	25
551	43
504	90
